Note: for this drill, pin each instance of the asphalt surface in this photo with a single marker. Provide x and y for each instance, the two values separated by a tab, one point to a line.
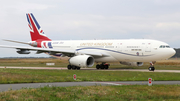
6	87
62	68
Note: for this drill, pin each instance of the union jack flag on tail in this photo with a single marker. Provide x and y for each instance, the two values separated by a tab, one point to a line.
37	34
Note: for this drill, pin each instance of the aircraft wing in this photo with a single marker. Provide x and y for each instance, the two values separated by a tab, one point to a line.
64	51
94	53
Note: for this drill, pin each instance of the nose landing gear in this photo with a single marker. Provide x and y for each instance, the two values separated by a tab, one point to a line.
152	68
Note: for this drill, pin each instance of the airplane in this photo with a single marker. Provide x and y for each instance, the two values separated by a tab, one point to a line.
84	53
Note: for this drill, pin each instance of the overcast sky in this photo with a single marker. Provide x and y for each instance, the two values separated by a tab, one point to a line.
90	19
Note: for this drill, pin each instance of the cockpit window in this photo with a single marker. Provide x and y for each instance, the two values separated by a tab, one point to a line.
167	46
164	46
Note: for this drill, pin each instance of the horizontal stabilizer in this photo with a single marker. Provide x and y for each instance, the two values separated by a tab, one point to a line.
16	41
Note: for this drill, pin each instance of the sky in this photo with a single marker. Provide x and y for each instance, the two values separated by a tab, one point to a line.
90	19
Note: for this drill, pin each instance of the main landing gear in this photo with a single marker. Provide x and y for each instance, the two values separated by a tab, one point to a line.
102	66
152	68
69	67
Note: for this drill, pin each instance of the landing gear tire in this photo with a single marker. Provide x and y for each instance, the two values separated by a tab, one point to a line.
106	66
97	66
78	68
69	67
74	67
151	68
102	66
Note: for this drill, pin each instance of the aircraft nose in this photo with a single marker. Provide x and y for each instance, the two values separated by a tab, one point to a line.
172	52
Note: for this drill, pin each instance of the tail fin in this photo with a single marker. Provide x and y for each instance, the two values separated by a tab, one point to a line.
35	29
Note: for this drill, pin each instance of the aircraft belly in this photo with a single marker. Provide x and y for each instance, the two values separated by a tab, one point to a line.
133	57
105	59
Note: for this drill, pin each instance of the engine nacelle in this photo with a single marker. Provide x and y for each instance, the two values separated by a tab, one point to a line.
23	51
132	63
82	61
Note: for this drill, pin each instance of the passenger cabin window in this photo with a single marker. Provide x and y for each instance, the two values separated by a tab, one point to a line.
136	50
164	46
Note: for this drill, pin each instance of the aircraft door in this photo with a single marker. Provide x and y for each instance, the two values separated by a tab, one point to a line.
148	47
119	46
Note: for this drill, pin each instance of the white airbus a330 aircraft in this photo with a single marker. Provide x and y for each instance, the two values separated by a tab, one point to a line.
84	53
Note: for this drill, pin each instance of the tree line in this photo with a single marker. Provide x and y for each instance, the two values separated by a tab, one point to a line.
177	55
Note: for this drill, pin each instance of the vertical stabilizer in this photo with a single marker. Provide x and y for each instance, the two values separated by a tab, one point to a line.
36	32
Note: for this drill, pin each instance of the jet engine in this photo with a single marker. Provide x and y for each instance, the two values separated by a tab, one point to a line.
132	63
23	51
82	61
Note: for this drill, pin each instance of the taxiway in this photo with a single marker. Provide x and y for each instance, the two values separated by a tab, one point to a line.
63	68
6	87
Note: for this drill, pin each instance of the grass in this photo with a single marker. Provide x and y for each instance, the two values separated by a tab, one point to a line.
36	76
95	93
33	62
